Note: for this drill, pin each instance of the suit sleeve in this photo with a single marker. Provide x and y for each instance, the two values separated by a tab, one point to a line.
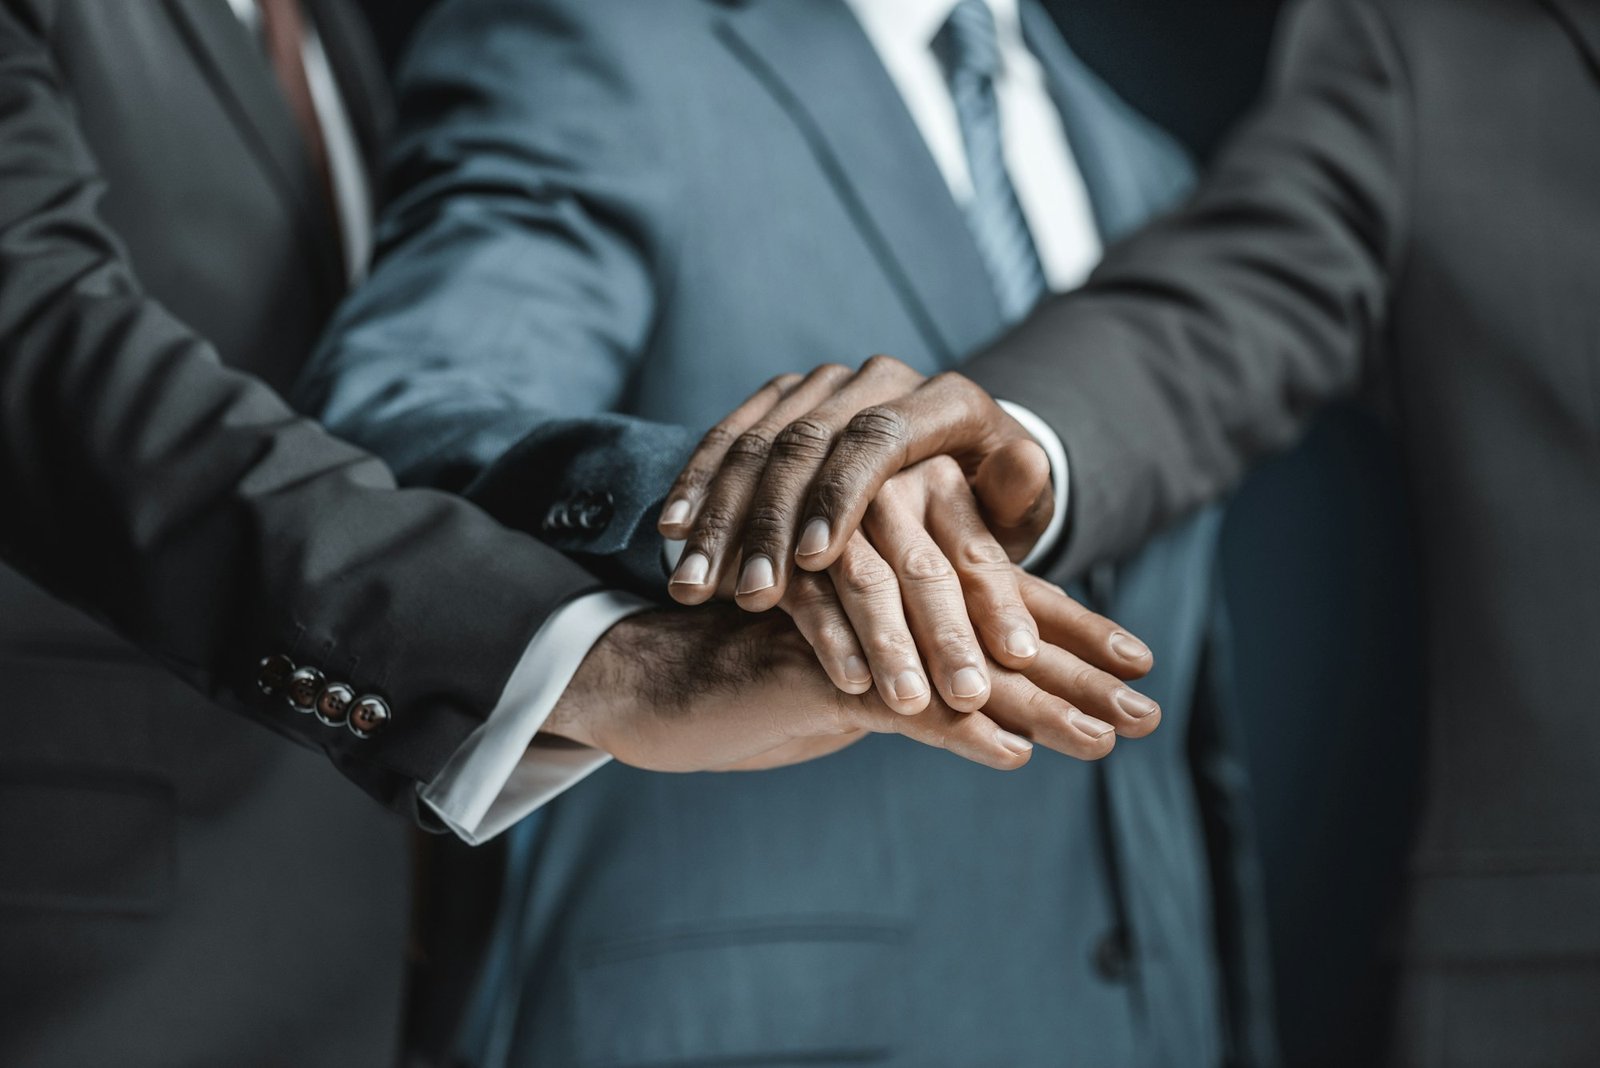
515	283
191	510
1212	336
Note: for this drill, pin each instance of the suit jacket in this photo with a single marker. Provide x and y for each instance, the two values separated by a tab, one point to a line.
1418	198
178	886
652	209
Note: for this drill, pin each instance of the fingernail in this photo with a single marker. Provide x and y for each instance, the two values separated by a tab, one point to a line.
677	512
908	686
692	570
756	576
815	538
1089	725
1014	742
1022	645
1128	647
855	669
968	682
1136	705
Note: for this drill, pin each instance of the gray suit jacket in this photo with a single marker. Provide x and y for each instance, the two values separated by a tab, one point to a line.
1420	197
652	208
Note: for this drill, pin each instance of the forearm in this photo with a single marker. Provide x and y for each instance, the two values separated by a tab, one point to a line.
188	507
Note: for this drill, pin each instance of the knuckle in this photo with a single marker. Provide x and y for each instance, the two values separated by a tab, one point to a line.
925	563
865	575
953	639
879	426
829	372
888	646
712	527
982	554
943	471
751	445
765	525
836	635
691	481
803	439
782	383
957	384
718	439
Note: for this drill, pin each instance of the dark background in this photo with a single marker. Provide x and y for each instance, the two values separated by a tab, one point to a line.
1316	561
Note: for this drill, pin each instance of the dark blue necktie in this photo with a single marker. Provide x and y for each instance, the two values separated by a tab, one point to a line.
968	46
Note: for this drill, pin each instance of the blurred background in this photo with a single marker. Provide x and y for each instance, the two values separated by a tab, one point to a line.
1313	558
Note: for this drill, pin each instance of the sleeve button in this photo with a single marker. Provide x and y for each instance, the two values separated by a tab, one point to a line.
333	703
272	674
368	716
304	684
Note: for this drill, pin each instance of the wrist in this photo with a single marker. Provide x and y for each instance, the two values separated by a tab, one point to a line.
605	684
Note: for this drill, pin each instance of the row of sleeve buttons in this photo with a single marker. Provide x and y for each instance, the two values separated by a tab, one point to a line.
586	514
334	703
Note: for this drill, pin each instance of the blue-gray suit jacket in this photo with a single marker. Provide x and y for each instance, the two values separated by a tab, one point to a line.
647	209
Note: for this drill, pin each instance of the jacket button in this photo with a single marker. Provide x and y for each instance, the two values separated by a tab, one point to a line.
333	703
595	511
368	716
558	519
272	674
303	687
1112	960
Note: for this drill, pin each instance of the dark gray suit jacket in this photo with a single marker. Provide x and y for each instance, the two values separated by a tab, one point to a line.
652	208
1419	197
178	886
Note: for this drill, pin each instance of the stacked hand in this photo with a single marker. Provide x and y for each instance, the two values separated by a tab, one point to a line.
883	512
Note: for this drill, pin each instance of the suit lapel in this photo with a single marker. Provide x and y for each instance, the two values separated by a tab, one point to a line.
822	70
244	82
1582	20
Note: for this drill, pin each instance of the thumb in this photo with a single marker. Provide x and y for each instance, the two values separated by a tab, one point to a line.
1013	484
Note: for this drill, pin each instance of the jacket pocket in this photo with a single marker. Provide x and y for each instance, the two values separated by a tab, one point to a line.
753	993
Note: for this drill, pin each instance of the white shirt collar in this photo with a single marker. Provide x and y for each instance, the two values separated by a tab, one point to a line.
911	25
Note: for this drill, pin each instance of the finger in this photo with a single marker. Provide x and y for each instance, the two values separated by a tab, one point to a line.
970	735
1023	708
946	414
1088	635
707	457
798	453
710	550
931	593
870	594
988	580
814	606
1096	693
1013	487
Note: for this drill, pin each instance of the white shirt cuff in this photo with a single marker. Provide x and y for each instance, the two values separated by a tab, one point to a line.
1050	441
499	776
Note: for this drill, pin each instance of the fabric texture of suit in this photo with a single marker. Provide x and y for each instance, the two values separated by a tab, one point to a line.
1418	199
651	209
178	886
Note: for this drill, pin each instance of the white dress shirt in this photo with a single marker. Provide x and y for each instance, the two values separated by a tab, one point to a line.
500	774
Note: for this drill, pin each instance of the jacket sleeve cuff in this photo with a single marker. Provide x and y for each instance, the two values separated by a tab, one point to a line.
499	775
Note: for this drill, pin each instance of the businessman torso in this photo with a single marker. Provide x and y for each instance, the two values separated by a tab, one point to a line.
1420	193
178	885
736	191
